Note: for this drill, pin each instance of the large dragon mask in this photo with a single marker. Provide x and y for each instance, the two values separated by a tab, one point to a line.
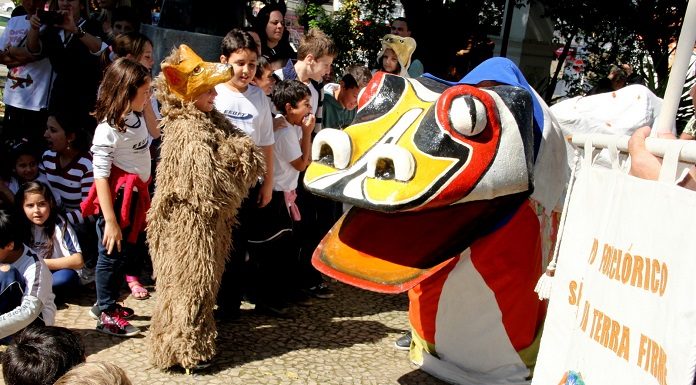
428	168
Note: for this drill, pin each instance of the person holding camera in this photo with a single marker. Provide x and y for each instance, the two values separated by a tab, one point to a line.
73	44
28	82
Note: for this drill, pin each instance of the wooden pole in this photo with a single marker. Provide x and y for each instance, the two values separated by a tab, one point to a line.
509	10
656	146
677	75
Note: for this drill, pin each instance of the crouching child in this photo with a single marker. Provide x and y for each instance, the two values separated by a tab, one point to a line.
26	296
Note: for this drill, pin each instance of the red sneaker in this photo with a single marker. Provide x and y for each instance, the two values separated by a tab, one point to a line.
111	322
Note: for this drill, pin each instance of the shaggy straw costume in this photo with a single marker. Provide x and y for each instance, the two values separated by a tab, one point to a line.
206	168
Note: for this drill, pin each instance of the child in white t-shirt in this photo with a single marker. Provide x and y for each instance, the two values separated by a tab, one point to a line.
246	105
293	142
121	159
278	249
315	55
51	236
25	281
248	108
29	80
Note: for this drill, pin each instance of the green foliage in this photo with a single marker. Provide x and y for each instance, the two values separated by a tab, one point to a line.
635	32
356	29
460	25
312	16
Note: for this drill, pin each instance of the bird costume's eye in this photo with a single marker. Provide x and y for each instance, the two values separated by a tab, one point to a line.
468	115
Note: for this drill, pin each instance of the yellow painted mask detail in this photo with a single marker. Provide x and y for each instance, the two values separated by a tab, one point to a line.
192	76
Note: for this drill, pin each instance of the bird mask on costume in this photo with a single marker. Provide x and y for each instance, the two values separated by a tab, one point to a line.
191	76
402	46
428	167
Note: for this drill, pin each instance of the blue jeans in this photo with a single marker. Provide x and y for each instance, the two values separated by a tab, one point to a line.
64	281
108	274
87	237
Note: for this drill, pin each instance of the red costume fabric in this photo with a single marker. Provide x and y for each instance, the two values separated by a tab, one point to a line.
130	183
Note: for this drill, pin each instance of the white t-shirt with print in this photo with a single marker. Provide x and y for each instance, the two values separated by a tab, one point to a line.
27	87
129	150
286	149
250	111
65	241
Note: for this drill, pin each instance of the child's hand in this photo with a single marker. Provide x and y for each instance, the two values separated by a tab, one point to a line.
112	236
265	194
308	123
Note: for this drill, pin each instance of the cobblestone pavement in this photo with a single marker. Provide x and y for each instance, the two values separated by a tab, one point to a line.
345	340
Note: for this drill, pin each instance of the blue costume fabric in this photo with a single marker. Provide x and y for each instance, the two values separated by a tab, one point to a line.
503	70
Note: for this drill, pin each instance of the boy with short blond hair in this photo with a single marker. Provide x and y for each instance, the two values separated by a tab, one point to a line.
315	55
316	43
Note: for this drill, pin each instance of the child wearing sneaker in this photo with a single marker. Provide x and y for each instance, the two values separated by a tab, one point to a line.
121	159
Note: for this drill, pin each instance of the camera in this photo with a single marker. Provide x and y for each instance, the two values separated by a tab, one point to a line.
50	17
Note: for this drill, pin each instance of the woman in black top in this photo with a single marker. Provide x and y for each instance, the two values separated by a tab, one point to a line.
275	39
73	47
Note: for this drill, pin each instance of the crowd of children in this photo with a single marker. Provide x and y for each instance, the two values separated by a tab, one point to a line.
79	130
79	124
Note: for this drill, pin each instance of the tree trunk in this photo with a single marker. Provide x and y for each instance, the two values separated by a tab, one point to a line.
548	95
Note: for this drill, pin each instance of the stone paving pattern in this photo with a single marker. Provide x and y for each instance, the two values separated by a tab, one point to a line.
345	340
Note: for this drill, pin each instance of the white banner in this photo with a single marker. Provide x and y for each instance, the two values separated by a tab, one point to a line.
623	304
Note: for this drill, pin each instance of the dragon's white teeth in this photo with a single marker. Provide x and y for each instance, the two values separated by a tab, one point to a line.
387	156
330	141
